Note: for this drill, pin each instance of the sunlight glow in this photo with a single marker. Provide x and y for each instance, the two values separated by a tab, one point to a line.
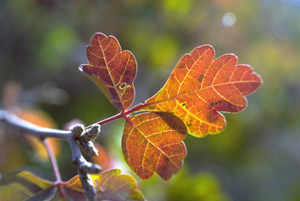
228	20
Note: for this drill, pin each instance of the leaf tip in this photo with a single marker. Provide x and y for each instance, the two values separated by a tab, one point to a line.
207	47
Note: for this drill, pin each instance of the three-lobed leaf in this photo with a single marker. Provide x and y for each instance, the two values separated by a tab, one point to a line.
111	69
200	87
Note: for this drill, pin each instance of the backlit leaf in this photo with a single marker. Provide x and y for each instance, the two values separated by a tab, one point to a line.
110	185
111	69
200	87
24	185
152	142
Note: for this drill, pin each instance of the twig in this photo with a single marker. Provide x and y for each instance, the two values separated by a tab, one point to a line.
54	166
31	129
84	167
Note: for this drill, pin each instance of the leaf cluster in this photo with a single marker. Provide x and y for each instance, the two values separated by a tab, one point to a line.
198	89
190	102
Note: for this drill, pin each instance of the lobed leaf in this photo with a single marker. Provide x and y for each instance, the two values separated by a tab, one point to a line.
152	142
110	185
111	69
200	87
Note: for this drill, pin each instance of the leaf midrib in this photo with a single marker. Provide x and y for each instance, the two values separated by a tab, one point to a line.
199	90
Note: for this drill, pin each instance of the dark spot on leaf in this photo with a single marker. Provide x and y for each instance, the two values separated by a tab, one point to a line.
217	102
183	104
201	77
122	86
182	65
188	125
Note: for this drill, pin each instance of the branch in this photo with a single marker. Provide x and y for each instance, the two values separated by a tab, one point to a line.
123	114
77	136
31	129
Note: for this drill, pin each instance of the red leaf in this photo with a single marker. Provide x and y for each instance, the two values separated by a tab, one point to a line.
111	69
200	88
152	142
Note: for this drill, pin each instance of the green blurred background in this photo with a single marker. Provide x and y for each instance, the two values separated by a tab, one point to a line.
257	157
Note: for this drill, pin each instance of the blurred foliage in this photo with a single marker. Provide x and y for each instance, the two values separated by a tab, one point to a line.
256	157
16	186
41	119
202	187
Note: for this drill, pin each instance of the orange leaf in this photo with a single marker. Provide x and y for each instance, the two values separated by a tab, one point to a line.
111	69
200	88
110	185
152	142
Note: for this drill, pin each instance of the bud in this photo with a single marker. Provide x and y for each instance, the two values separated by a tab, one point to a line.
77	130
91	133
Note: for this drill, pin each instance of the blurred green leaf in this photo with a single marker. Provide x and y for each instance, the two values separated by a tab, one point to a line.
201	187
177	8
163	50
56	46
23	186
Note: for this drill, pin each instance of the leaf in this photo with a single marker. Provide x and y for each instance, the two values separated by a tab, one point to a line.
200	87
152	142
111	69
110	185
44	195
23	186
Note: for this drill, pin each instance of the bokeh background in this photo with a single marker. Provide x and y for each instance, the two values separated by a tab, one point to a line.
257	157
